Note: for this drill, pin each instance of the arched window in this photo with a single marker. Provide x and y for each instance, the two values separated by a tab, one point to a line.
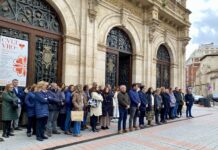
163	67
33	12
118	58
119	40
37	22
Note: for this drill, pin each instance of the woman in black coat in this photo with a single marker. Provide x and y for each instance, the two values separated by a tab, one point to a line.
165	105
107	108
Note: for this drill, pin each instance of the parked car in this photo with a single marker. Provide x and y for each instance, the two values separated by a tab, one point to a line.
215	97
197	97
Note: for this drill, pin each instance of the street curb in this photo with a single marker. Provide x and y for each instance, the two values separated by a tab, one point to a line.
115	134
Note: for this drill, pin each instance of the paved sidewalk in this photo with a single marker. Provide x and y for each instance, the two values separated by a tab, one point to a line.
22	142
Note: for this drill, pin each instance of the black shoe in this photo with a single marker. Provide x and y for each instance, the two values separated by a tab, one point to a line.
45	137
1	139
191	117
158	123
28	134
10	134
39	139
5	136
19	129
56	132
103	128
96	130
107	128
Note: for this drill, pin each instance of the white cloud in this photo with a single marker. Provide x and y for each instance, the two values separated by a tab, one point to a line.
194	31
207	30
191	48
213	31
200	10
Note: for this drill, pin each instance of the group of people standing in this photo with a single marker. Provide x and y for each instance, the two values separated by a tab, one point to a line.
49	105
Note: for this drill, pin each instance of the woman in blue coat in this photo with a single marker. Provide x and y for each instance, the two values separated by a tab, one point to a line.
68	100
142	108
41	110
30	109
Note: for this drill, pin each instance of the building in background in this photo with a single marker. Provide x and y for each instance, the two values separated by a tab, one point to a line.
207	75
194	61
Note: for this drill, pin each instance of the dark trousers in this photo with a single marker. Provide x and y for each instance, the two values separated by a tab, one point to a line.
6	127
31	124
61	120
189	110
157	116
171	115
93	122
133	117
167	113
179	111
122	118
163	114
40	126
142	118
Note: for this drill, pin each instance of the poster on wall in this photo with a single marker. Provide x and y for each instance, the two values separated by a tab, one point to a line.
13	60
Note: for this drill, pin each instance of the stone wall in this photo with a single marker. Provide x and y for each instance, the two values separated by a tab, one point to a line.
86	24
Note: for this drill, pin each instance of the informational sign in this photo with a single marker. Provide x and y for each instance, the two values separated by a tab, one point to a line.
13	60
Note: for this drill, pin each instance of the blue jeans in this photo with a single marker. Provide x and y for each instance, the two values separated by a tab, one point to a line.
76	128
67	121
122	119
189	110
172	112
176	109
84	119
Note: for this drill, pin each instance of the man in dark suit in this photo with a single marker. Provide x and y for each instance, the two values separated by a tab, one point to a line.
21	95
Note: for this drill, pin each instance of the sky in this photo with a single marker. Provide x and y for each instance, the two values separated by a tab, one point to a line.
204	20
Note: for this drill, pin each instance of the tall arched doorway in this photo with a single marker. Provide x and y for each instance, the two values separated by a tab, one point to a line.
163	67
37	22
118	58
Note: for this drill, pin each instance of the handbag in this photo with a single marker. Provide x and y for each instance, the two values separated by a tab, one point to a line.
77	115
93	103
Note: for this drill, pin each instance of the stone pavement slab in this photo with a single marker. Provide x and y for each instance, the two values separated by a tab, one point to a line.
159	134
200	133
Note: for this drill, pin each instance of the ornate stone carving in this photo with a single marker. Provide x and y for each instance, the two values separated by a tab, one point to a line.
185	42
47	56
132	7
152	28
92	12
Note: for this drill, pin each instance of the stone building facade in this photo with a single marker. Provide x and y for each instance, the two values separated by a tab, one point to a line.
194	61
107	41
207	76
